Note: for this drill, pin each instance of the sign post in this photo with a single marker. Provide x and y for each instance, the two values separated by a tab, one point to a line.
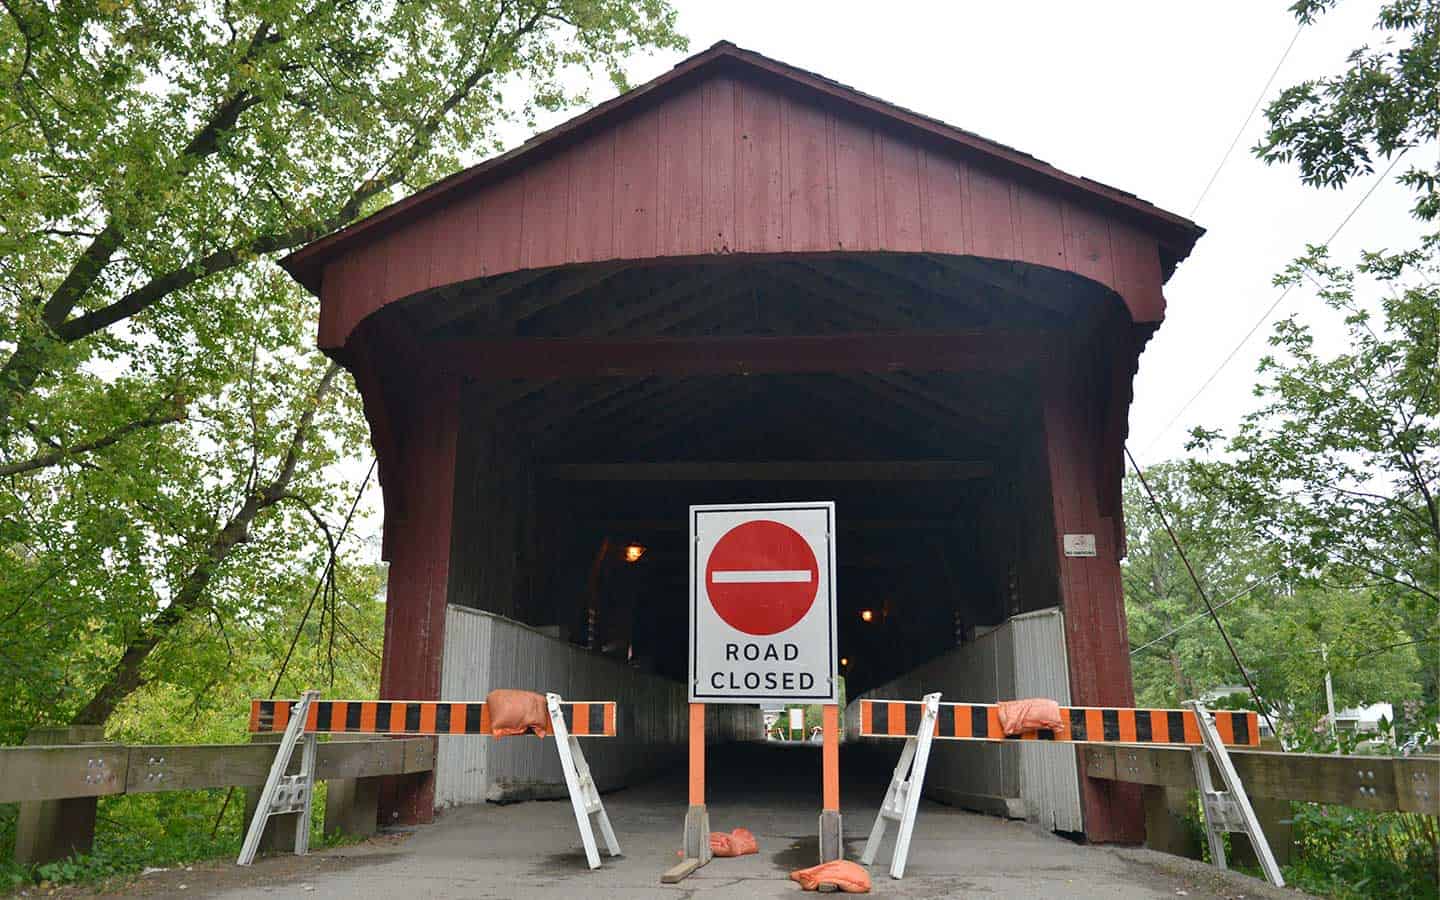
762	630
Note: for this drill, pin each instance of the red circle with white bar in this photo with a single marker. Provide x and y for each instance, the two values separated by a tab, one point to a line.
762	577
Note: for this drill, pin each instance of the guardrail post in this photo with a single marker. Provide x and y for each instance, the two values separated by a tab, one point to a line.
352	805
1279	827
50	830
1165	827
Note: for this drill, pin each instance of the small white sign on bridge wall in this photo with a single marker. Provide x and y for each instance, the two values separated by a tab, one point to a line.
762	603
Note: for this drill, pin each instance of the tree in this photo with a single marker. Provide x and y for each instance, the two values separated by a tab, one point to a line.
1386	102
171	445
1339	467
1286	629
151	147
1183	655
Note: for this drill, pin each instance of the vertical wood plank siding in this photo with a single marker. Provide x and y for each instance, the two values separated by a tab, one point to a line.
732	166
1090	587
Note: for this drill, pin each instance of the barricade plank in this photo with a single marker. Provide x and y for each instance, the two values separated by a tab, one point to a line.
594	718
1079	724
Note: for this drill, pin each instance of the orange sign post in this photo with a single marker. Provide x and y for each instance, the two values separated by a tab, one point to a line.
762	630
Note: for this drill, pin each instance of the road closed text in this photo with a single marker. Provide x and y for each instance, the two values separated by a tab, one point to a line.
781	680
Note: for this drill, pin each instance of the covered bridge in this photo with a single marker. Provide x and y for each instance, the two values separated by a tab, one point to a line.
745	282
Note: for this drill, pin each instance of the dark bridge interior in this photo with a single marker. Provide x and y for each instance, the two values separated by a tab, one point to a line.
937	471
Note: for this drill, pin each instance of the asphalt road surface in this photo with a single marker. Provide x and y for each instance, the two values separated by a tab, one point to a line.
532	850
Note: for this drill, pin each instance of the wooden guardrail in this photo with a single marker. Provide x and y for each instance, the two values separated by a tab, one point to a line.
99	770
70	778
1381	783
1272	781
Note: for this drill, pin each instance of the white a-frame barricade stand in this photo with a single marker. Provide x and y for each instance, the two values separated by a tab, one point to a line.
1206	734
305	719
902	798
1227	810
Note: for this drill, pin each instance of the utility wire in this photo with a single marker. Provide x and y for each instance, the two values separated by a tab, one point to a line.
1165	520
1245	124
1268	310
324	578
1192	620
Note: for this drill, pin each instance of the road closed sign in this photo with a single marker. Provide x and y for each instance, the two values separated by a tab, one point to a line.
762	603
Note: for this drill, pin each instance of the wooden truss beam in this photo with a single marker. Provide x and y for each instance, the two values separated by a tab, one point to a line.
789	470
988	350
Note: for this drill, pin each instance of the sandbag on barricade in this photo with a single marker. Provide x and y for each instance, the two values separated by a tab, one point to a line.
1030	714
517	712
740	842
842	873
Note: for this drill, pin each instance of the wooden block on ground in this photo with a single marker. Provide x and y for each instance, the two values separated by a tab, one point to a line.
681	870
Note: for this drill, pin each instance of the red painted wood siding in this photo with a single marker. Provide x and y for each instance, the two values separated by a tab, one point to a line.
729	166
417	539
1090	588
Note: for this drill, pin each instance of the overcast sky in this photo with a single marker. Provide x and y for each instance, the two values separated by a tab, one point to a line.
1144	96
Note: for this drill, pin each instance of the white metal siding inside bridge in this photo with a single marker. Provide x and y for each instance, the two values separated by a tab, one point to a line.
484	651
1025	657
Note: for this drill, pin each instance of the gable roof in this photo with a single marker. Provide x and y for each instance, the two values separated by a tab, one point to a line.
1175	234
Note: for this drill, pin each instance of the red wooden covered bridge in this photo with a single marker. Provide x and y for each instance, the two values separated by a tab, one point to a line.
745	282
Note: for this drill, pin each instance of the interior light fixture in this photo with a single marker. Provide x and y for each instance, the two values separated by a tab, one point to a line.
867	615
633	552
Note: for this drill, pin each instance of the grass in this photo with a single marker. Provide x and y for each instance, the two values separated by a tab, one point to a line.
134	832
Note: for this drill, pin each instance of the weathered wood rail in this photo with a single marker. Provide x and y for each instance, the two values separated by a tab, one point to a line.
99	770
1272	780
1380	783
57	786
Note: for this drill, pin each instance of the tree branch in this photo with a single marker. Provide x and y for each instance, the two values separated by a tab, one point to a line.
45	460
125	676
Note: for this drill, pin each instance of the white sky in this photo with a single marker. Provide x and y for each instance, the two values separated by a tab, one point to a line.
1144	96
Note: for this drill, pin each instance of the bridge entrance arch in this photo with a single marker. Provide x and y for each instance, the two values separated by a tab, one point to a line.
743	282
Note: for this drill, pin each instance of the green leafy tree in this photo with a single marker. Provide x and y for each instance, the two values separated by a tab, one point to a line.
1287	629
1387	101
1183	655
173	452
1339	467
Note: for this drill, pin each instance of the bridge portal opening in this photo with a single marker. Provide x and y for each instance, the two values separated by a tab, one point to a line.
743	282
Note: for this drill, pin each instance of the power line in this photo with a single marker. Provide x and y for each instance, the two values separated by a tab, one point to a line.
1165	520
1245	124
1193	619
1268	310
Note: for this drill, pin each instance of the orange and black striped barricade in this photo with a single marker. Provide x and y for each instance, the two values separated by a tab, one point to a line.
308	717
1204	732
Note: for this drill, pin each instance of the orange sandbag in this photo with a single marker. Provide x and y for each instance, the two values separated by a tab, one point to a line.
1032	714
844	874
517	712
745	842
737	843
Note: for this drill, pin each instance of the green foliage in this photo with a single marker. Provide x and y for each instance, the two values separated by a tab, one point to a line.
1348	853
175	458
1386	102
1286	628
138	831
